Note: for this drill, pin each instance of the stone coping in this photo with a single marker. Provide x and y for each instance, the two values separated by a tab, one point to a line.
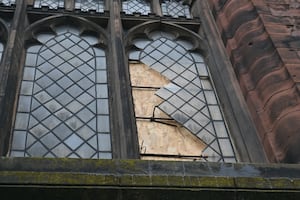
48	179
39	171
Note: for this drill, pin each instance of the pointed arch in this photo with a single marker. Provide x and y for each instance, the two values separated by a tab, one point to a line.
142	31
83	25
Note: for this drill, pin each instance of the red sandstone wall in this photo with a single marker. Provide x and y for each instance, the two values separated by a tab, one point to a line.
262	38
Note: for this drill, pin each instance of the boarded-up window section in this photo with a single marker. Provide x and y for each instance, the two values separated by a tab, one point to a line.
160	137
184	119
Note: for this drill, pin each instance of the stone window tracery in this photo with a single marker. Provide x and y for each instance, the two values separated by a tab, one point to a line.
63	108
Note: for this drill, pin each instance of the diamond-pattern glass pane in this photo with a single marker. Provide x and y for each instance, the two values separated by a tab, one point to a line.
139	6
189	98
175	8
58	107
52	4
8	2
86	5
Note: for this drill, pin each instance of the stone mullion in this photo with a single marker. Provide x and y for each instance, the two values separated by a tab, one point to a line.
10	73
69	5
30	2
156	7
123	128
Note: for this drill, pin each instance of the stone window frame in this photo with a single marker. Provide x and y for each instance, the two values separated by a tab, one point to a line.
44	24
124	136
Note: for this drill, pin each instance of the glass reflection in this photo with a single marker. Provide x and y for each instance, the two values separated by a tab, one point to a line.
62	110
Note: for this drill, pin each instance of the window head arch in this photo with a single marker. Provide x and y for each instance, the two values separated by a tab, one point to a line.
63	106
187	96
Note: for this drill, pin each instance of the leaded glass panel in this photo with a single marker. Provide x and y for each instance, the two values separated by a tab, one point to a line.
52	4
63	102
175	8
140	6
189	97
86	5
8	2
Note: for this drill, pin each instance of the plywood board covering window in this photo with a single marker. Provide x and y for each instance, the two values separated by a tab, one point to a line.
160	135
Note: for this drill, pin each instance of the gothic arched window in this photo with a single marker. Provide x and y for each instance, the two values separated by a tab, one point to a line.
174	98
63	108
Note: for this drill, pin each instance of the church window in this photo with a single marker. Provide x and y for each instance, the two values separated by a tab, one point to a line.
63	106
174	95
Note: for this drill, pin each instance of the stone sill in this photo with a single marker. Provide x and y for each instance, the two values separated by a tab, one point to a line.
142	177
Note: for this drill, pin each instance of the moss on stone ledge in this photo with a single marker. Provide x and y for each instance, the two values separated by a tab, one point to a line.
138	173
